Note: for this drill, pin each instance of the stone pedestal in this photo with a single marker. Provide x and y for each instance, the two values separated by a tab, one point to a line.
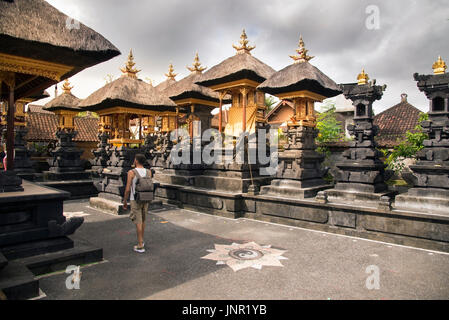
430	174
66	163
361	175
299	173
23	166
112	185
10	182
101	154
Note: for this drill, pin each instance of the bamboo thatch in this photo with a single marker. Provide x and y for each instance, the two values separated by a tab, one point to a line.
35	29
128	92
187	88
300	76
240	66
165	84
65	101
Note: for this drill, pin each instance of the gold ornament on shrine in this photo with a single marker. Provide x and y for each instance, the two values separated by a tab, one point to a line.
129	69
196	67
244	47
302	55
66	86
439	67
362	78
171	74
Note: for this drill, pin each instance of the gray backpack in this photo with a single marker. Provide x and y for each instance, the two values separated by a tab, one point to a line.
144	187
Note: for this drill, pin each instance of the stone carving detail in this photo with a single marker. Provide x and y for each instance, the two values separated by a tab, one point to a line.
67	228
102	153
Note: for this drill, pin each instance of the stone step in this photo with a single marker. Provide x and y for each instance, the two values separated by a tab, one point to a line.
17	282
82	253
28	249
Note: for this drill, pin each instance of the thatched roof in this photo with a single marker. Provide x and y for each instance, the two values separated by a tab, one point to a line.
128	92
165	84
187	88
240	66
300	76
34	29
66	101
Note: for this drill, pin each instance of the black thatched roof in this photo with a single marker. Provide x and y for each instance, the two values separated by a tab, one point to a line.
128	92
300	76
240	66
65	101
34	29
187	88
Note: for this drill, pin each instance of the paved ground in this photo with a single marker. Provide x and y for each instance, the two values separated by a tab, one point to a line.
319	265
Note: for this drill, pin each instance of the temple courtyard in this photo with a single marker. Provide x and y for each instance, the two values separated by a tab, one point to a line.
181	261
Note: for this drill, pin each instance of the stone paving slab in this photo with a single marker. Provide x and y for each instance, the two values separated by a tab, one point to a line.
318	266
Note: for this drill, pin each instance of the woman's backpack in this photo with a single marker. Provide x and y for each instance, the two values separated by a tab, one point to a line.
144	191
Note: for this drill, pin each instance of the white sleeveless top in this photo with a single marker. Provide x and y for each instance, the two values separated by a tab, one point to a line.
142	172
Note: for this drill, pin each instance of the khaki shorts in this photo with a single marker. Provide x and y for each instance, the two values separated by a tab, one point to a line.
138	211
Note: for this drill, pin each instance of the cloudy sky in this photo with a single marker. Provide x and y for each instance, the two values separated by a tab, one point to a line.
342	35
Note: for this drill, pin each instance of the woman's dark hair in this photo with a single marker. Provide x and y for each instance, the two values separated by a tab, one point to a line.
140	158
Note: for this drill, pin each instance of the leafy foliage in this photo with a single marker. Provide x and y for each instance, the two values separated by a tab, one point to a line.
330	129
407	147
270	101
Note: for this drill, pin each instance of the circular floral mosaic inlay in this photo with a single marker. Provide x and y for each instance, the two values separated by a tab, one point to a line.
246	254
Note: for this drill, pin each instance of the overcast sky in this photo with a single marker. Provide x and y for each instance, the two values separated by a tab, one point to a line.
411	35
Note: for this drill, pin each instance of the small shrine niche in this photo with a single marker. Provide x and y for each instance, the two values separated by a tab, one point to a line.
66	116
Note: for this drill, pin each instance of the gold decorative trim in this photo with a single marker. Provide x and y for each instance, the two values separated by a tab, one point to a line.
189	101
41	68
301	94
237	83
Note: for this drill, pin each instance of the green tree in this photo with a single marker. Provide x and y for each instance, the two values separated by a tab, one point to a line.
330	129
407	148
270	101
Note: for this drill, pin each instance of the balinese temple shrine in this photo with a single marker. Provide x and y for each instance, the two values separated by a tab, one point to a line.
36	52
118	103
65	163
299	173
197	102
361	174
220	186
430	174
239	77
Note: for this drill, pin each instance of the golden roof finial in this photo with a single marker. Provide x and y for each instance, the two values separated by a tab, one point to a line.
171	74
66	86
302	52
243	48
362	78
439	67
196	66
129	69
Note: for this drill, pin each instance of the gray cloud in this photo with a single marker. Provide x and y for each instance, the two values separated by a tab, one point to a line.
411	36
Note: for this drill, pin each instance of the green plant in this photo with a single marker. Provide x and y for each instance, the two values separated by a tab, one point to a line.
330	129
407	148
270	101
